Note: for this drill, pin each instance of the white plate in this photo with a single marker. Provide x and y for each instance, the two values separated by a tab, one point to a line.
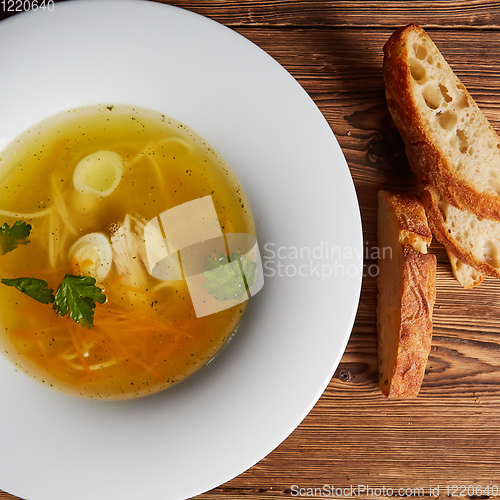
201	433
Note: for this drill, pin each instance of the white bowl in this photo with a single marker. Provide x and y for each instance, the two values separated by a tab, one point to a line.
221	421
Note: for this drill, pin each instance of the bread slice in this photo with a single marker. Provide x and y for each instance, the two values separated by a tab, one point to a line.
407	292
466	275
413	229
473	240
449	142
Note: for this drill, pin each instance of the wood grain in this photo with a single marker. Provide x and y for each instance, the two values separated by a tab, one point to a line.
354	436
476	14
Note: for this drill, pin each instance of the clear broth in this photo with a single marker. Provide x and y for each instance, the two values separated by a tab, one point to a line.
143	340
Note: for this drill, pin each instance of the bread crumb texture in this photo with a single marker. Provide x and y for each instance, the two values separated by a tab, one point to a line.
459	151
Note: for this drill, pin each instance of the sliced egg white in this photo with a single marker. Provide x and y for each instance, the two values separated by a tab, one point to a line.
92	255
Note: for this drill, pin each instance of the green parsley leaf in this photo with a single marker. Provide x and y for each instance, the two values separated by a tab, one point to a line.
229	279
78	295
10	237
32	287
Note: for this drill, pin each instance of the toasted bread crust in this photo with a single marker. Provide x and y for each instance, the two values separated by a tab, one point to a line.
426	156
443	235
413	227
415	334
407	292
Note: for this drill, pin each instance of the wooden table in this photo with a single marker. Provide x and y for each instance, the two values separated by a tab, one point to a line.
449	437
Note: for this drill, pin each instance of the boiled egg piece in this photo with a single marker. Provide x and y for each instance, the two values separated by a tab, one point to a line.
91	255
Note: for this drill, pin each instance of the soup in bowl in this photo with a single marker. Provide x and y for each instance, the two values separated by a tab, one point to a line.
128	252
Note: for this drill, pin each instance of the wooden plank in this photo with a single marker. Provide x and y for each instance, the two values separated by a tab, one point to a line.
475	14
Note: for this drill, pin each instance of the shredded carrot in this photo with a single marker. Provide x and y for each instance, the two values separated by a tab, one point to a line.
134	358
78	265
41	346
78	349
166	352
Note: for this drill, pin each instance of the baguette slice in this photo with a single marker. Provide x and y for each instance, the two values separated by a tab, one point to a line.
407	292
473	240
449	142
466	275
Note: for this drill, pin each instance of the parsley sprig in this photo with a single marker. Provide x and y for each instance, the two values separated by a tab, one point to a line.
76	295
11	237
32	287
229	278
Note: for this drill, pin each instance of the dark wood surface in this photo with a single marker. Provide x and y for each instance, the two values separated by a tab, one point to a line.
450	435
